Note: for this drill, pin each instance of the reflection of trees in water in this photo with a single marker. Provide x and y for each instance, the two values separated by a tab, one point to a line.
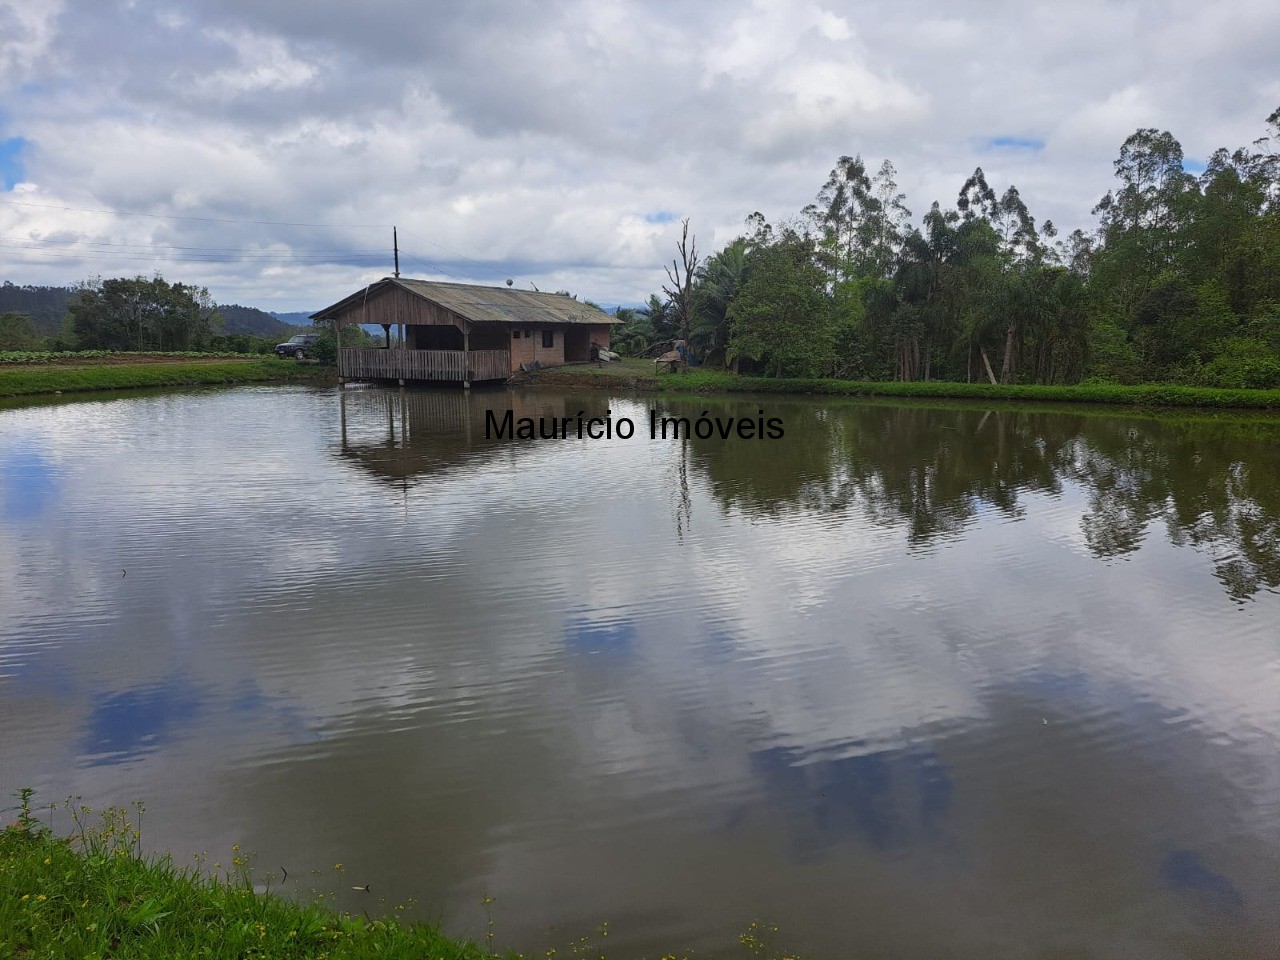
933	469
1213	483
684	500
937	471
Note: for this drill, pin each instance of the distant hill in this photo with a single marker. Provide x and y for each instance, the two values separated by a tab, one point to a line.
46	306
301	318
259	323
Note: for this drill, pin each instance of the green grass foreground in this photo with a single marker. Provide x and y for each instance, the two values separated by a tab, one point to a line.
1146	395
36	379
94	896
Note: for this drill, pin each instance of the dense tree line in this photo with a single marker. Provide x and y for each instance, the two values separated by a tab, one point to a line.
141	313
1180	281
132	313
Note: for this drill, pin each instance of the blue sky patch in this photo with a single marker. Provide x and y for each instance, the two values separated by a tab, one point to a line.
1186	871
1015	143
11	169
611	637
31	483
662	216
131	723
1196	167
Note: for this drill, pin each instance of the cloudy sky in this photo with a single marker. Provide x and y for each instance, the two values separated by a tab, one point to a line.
263	148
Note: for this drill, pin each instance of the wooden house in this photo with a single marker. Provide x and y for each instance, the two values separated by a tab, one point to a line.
463	333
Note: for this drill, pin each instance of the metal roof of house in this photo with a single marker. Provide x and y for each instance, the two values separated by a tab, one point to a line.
484	304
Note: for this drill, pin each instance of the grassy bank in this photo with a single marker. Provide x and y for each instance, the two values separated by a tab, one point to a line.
634	374
27	379
94	896
1147	395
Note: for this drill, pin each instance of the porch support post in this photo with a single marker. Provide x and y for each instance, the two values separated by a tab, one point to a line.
337	339
466	360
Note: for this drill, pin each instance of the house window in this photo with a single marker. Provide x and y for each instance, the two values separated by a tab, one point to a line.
548	338
515	334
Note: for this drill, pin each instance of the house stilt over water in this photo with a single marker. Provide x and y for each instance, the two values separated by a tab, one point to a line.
463	333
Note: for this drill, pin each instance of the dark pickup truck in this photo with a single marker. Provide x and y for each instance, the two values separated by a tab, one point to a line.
299	347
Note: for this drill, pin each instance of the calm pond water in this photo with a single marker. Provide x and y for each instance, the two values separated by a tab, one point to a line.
914	681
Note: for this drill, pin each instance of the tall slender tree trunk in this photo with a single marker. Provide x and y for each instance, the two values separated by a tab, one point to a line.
986	362
1009	341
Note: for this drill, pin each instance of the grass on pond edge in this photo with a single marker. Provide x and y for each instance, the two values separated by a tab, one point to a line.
94	896
699	381
1148	395
27	380
35	379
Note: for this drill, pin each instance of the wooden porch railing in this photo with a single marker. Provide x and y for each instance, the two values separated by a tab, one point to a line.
395	364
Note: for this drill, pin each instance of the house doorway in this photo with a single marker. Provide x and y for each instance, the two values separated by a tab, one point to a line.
577	344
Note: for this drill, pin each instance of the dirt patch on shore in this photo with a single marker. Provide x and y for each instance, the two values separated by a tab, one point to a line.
629	374
561	377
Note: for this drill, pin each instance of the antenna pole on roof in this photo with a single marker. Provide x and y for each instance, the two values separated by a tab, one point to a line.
395	245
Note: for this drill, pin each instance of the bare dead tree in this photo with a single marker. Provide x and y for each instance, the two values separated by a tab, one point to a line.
680	274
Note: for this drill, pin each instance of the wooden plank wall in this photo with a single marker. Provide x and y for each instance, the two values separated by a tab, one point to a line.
490	364
395	305
375	364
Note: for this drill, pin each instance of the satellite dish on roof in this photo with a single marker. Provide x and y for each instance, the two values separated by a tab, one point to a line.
509	282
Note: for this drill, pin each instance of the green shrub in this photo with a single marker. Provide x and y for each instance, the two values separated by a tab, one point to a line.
243	343
1112	357
1242	364
326	349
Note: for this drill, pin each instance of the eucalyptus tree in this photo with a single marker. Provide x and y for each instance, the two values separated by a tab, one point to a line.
1141	221
977	199
1020	243
886	222
839	215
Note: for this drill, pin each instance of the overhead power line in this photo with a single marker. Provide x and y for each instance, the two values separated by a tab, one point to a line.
103	256
162	246
174	216
74	249
479	263
433	266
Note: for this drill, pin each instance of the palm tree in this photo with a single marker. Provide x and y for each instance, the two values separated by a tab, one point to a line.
719	280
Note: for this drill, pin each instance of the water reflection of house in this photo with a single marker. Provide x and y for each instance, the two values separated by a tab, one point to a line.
408	435
463	333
